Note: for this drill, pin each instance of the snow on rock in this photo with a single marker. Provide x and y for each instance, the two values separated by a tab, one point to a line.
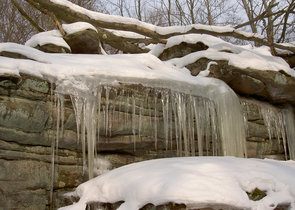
28	52
287	52
48	37
194	181
206	72
83	73
239	56
77	26
123	67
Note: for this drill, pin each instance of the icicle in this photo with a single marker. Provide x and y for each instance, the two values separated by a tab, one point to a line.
99	89
104	118
289	120
127	108
207	127
133	122
83	137
111	119
179	104
230	123
53	145
114	120
191	126
51	92
140	120
199	128
165	106
107	89
62	118
214	130
155	121
90	111
173	104
120	104
149	108
171	125
77	105
184	126
267	118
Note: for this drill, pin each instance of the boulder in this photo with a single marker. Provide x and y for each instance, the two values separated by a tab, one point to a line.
83	42
181	50
273	86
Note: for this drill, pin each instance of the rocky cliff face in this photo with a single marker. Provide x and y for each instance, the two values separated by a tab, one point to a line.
28	128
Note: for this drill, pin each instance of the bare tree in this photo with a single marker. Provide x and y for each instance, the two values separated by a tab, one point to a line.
19	20
270	18
138	9
166	8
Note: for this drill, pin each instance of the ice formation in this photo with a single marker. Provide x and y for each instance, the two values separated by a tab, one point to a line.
211	115
279	122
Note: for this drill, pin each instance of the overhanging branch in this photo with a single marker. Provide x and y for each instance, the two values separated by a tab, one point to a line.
158	34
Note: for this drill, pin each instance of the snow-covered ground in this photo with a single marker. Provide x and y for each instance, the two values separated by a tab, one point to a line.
194	181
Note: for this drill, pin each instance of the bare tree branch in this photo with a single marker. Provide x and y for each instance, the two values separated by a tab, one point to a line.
290	8
259	17
26	16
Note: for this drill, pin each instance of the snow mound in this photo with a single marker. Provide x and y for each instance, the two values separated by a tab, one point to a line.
194	181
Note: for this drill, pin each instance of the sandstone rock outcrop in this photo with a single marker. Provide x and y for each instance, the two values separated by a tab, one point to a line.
28	127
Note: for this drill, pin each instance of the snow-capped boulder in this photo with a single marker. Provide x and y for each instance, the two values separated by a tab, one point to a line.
82	37
248	70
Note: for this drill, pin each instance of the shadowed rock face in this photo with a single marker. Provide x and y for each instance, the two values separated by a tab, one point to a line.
289	58
83	42
181	50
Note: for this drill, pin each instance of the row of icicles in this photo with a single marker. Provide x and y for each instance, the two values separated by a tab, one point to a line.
185	123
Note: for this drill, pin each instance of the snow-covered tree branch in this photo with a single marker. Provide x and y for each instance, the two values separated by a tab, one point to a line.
69	12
